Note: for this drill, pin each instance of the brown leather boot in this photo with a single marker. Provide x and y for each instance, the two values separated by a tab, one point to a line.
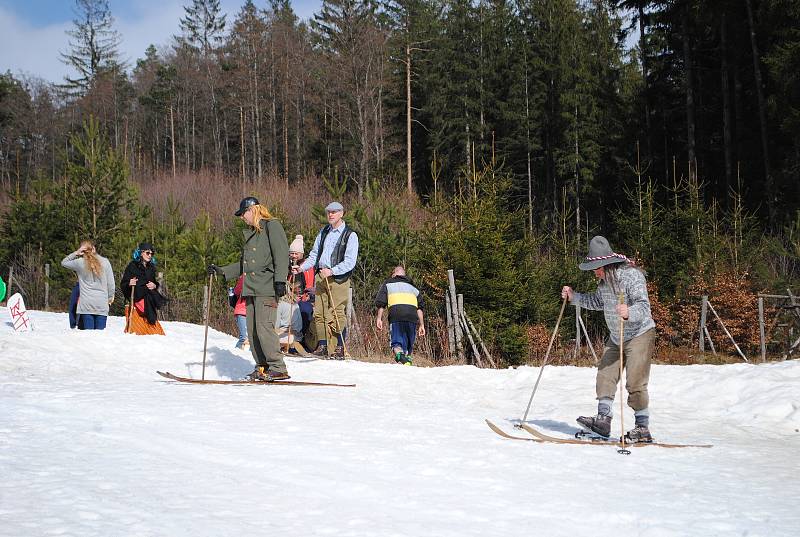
600	424
276	375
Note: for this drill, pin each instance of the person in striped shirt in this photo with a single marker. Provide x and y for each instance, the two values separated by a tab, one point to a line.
406	319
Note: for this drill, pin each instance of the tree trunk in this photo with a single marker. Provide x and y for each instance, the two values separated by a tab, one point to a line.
727	136
172	140
241	141
409	186
528	142
577	179
285	145
645	72
689	82
762	114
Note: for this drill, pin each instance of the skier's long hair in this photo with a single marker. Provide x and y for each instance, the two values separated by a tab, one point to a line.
611	277
260	213
90	258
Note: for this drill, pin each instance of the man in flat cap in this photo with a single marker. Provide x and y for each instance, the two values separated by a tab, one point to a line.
333	258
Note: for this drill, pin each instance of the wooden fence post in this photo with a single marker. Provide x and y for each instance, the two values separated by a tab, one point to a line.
761	329
578	331
46	286
463	318
9	292
480	340
451	331
710	341
458	333
703	314
726	332
588	341
166	312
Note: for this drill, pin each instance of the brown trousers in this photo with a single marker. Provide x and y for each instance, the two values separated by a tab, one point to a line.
637	354
329	308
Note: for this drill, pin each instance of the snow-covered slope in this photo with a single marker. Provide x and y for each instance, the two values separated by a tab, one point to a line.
94	443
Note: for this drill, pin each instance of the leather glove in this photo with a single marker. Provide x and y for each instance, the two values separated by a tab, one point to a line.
280	289
213	269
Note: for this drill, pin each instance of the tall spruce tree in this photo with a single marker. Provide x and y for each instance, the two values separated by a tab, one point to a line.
93	45
415	24
203	25
527	93
456	90
203	33
354	49
100	202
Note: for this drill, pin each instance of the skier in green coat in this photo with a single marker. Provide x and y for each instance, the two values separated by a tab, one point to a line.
265	265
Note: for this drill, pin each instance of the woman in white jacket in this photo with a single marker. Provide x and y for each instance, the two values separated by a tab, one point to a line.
96	281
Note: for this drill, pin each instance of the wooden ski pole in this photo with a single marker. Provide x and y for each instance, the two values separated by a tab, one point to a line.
208	316
130	312
291	310
335	316
544	363
622	449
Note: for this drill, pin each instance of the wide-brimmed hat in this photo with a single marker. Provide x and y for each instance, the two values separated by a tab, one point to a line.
600	254
245	204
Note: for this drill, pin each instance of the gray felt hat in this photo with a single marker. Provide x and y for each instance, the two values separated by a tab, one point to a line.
334	206
600	254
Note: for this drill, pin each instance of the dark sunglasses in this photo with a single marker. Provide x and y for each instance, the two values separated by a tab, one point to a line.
147	252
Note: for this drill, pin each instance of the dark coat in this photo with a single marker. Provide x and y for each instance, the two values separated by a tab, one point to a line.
264	260
153	300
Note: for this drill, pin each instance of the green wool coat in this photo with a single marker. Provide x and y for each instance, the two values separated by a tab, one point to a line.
264	260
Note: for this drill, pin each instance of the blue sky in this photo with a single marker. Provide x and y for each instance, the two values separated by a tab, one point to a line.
33	32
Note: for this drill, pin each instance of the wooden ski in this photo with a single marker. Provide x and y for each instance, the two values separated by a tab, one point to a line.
247	381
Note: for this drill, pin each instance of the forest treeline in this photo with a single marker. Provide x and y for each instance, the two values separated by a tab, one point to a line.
489	137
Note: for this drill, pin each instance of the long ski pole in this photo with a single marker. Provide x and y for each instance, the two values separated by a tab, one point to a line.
130	312
291	310
544	362
208	316
622	449
335	316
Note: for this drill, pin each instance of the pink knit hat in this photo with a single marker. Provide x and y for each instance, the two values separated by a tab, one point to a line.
297	244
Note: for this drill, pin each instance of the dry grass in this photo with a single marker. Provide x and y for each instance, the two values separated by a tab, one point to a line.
219	196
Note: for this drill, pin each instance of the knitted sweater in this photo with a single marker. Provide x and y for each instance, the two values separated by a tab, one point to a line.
632	284
95	291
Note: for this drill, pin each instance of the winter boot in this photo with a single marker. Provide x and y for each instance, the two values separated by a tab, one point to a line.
601	424
407	359
338	353
640	433
321	352
399	357
276	375
258	373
